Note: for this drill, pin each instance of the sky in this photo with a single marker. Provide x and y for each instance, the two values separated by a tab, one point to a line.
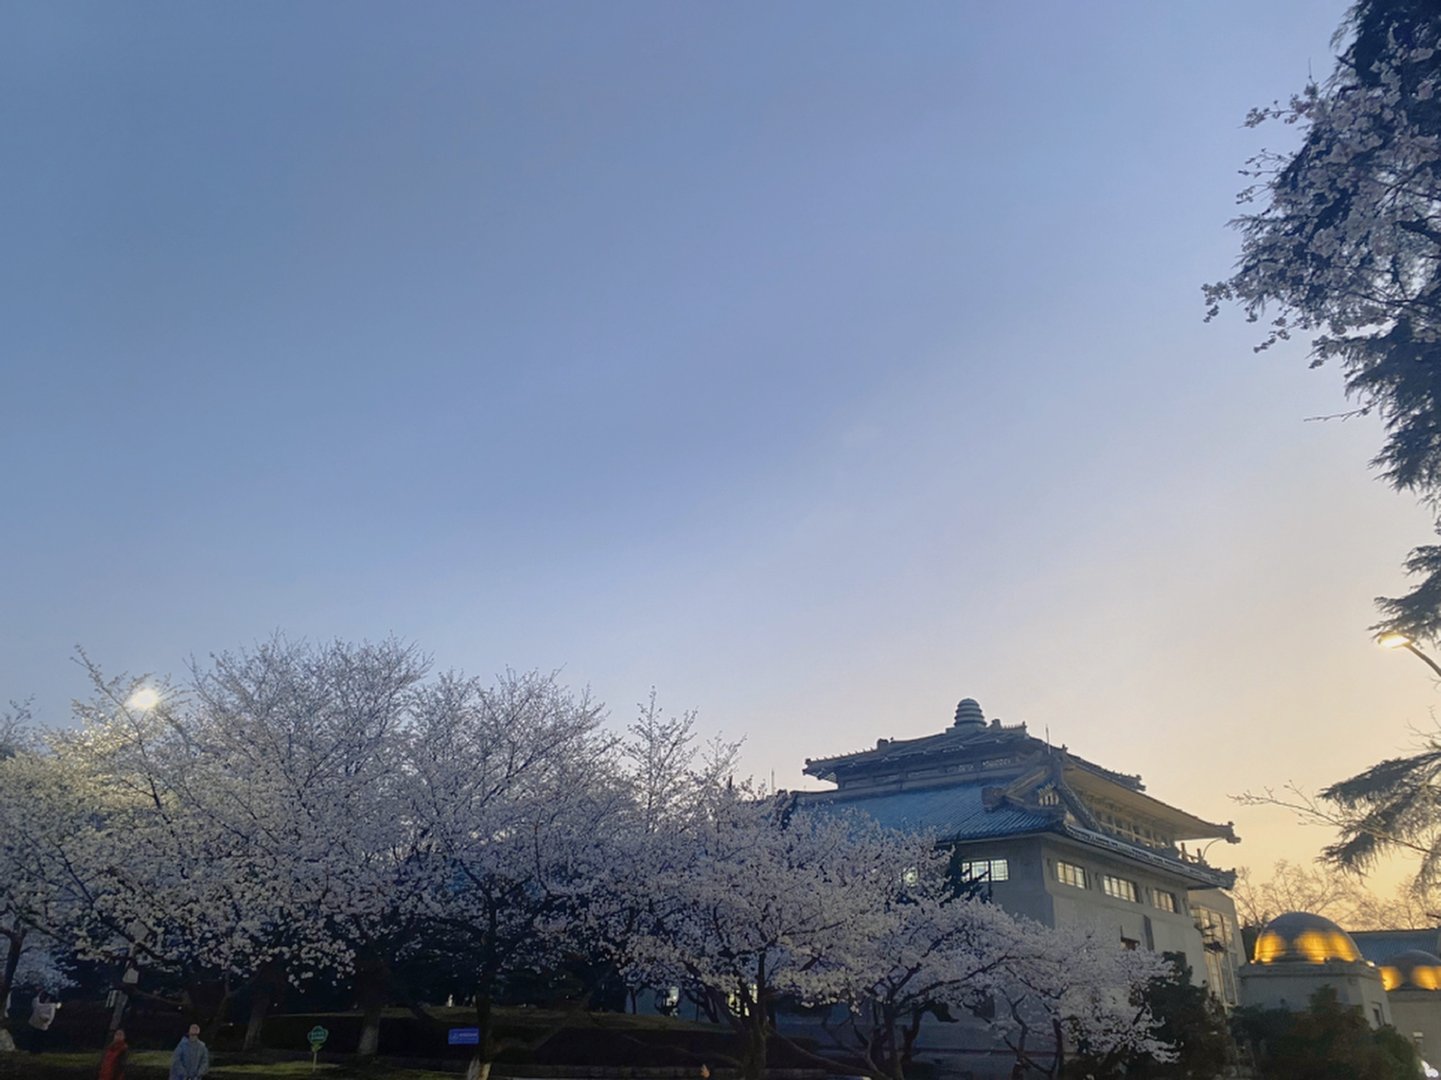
816	364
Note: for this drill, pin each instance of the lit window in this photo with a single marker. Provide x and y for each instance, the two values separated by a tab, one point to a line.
1119	887
1164	900
1071	874
985	870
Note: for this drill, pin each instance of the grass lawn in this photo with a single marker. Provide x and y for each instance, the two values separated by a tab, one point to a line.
599	1038
155	1065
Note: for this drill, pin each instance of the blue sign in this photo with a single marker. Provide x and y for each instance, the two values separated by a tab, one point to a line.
464	1037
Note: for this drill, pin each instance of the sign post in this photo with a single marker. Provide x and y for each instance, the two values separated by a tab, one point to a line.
317	1037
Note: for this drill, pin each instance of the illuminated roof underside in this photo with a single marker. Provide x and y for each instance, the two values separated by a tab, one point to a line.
1300	937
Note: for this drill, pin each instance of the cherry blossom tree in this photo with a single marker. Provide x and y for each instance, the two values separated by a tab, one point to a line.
671	775
1344	245
157	873
302	752
29	904
767	905
296	809
934	953
671	780
1072	987
516	795
247	825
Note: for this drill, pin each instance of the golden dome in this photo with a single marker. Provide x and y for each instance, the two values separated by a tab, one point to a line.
1298	936
1413	969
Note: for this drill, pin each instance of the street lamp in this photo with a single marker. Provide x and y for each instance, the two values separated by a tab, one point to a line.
1394	639
141	699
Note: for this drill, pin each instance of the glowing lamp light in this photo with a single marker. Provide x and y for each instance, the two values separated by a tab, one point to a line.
1394	639
1319	946
1269	948
144	699
1313	946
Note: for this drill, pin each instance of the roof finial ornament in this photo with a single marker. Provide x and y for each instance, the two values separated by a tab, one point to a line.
969	716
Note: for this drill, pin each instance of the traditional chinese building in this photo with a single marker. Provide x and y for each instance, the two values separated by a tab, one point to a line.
1051	836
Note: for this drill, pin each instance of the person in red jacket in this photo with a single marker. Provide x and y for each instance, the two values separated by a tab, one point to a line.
112	1065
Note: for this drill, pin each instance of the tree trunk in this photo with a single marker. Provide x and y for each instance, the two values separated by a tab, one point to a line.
206	1004
16	945
753	1055
370	989
259	1006
893	1045
269	985
485	1046
369	1031
1060	1058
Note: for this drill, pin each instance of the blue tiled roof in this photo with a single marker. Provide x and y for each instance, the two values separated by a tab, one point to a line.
1378	946
958	813
952	813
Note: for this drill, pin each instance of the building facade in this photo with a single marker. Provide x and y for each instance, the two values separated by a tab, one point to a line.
1051	836
1409	962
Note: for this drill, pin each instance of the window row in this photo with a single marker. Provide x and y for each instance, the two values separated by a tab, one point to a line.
985	870
1113	885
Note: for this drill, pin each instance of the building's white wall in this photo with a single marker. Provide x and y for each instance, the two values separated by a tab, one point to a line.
1025	893
1290	984
1033	890
1417	1015
1142	921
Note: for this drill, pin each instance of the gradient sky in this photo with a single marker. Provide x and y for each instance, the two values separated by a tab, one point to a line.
819	364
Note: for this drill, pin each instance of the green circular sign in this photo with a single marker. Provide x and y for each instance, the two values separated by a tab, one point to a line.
317	1037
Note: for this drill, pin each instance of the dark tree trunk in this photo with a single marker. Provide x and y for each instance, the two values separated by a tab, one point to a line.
372	985
206	1004
15	945
755	1027
269	986
485	1047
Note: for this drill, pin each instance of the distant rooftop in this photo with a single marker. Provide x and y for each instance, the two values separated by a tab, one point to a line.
982	779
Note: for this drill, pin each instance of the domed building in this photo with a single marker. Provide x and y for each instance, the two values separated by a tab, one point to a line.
1414	969
1413	986
1298	953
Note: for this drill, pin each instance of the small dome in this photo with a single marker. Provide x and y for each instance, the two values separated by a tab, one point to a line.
1298	936
1414	969
969	715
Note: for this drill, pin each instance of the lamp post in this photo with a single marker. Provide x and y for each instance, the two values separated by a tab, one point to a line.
1395	640
141	699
